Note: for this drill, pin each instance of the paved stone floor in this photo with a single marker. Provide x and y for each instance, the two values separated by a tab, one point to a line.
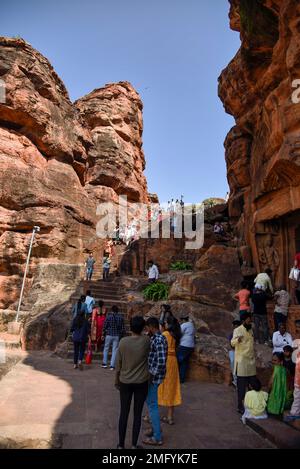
43	396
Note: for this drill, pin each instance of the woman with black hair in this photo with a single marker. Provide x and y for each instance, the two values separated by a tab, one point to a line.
98	320
79	307
169	393
80	333
165	313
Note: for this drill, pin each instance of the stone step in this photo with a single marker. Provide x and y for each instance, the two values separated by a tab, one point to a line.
11	341
109	302
100	285
100	282
278	432
100	296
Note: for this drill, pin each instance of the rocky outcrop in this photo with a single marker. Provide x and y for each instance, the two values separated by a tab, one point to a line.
216	278
262	149
58	160
116	159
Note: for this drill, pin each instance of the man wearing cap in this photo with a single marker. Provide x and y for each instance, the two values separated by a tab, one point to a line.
187	345
244	360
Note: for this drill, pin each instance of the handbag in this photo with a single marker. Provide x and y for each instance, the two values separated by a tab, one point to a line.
89	354
294	274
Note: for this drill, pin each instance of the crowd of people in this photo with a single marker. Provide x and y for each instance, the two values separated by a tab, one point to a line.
254	298
283	390
282	395
150	364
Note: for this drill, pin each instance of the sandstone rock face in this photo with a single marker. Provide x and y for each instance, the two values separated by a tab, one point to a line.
216	279
116	159
57	162
262	149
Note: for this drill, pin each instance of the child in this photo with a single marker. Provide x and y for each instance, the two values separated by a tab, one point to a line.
277	386
243	296
295	410
255	402
236	323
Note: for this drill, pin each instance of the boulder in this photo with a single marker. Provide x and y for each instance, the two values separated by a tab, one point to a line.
217	279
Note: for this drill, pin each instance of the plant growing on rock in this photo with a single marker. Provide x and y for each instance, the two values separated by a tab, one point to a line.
156	291
180	265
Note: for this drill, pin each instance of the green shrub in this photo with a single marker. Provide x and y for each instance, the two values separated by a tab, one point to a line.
156	291
180	265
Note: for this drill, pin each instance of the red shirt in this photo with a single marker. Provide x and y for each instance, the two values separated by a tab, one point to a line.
297	259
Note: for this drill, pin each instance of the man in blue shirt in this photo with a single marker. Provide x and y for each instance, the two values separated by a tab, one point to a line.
157	369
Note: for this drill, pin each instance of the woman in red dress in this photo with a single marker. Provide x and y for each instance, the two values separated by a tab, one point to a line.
98	318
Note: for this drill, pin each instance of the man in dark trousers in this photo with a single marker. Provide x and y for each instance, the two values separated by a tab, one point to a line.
244	360
186	346
259	299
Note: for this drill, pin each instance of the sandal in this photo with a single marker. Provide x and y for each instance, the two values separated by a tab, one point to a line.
146	419
167	420
152	442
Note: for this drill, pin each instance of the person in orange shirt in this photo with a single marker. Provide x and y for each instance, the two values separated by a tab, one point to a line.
243	297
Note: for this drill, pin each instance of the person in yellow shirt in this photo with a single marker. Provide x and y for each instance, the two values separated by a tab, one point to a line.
255	402
244	362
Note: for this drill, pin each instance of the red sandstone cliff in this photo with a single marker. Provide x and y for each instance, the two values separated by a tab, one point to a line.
58	160
262	150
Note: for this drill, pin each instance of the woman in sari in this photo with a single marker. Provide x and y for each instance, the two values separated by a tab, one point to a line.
277	386
98	318
169	393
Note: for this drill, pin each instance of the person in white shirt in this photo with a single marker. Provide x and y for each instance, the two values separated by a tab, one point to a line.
281	338
283	301
187	345
263	281
89	301
152	272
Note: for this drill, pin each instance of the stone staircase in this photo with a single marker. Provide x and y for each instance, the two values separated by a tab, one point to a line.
119	251
110	292
11	341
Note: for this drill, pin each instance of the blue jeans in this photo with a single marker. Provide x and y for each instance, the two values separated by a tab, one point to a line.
231	359
79	349
114	341
105	273
152	403
183	356
89	273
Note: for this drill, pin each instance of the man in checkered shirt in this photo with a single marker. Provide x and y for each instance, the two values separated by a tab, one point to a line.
113	330
157	369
